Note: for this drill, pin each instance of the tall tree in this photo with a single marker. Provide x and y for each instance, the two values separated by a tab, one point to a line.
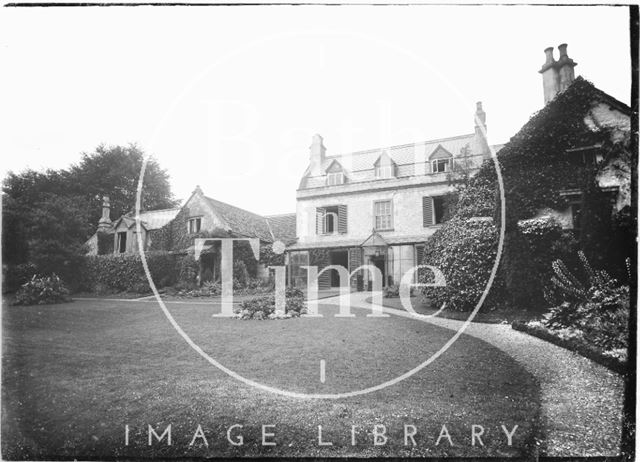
47	216
115	171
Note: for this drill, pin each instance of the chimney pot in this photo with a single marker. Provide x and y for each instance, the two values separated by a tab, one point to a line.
548	55
563	50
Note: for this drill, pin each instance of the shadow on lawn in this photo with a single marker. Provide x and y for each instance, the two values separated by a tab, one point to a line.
75	375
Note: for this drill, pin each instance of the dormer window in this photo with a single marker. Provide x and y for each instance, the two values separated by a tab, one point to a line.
194	225
335	178
441	160
440	165
384	167
384	171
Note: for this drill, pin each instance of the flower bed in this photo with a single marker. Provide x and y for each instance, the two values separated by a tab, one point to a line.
573	340
264	306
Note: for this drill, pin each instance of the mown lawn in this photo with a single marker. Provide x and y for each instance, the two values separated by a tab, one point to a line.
75	374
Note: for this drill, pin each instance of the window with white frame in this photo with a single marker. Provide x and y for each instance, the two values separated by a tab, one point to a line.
384	171
383	215
195	225
335	178
440	165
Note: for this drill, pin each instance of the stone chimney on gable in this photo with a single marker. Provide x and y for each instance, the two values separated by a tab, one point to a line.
105	220
557	76
480	122
565	68
316	155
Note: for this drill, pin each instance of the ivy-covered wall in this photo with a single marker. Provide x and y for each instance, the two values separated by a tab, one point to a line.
536	167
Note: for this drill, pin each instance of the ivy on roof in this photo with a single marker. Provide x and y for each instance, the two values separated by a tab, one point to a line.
534	163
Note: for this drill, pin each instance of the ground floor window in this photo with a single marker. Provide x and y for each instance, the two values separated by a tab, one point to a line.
121	242
297	274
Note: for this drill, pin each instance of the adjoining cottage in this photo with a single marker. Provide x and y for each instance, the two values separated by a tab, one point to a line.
175	230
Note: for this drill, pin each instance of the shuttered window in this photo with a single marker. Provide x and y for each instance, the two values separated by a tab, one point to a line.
427	211
319	220
330	220
342	219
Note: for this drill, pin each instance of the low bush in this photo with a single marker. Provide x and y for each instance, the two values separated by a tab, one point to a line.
573	340
208	289
393	291
253	286
15	275
598	306
42	290
264	306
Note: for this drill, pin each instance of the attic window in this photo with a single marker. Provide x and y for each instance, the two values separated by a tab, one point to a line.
384	171
440	165
194	225
335	178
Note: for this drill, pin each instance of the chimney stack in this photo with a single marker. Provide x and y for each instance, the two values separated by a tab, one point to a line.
480	121
105	220
557	76
316	155
565	68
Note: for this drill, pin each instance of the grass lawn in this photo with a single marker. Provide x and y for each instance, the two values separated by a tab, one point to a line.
496	316
73	375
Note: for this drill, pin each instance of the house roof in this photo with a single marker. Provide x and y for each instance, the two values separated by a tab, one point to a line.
156	219
242	221
150	219
580	89
283	227
360	165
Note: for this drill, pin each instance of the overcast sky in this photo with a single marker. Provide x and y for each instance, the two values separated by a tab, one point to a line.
228	98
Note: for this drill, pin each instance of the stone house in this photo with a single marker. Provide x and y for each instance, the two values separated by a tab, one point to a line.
378	206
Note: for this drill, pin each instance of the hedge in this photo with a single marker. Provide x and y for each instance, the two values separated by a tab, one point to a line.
125	273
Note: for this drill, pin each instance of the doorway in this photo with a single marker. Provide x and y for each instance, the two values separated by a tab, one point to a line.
338	257
380	263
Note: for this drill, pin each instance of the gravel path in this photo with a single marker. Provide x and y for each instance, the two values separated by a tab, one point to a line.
582	401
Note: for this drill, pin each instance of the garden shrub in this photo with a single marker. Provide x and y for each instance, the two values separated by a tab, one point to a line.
42	290
188	269
240	273
264	306
391	291
464	250
529	250
598	306
16	275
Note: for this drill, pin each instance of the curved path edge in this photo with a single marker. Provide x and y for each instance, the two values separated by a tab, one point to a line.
582	401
